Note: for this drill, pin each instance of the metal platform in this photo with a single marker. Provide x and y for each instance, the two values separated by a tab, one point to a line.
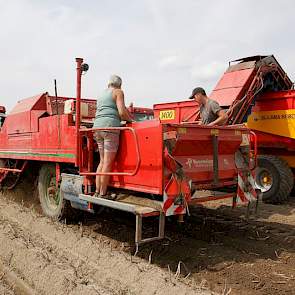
140	211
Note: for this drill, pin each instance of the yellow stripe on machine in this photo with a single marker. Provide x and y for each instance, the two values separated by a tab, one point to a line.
280	123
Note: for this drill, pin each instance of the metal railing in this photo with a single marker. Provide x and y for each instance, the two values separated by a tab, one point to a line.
138	158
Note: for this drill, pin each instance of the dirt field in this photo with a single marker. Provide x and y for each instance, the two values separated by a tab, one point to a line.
215	252
4	289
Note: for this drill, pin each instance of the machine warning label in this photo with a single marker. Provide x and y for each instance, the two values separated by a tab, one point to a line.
167	115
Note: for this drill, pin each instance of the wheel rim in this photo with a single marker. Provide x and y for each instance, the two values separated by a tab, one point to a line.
52	194
264	179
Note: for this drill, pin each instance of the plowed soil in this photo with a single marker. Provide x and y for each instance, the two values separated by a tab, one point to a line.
216	251
4	289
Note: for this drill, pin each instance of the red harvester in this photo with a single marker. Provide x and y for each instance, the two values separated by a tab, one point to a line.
167	166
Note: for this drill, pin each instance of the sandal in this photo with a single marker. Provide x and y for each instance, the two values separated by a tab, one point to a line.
106	196
111	197
96	195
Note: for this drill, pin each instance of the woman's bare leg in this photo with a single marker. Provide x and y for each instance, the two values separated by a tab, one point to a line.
99	169
108	161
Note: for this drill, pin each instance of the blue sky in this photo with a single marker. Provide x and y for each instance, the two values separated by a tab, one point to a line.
161	49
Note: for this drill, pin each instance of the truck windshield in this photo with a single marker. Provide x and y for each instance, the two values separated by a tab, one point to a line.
142	117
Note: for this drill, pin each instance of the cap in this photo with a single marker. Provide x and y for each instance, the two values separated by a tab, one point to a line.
196	91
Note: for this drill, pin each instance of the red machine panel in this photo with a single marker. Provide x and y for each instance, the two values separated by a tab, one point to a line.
176	112
194	150
273	101
232	86
150	174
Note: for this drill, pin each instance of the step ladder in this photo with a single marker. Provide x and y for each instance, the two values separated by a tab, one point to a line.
139	210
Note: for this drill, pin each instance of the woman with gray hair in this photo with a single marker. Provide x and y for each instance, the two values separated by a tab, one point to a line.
111	110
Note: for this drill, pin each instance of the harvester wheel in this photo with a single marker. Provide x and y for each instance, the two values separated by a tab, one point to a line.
51	200
274	178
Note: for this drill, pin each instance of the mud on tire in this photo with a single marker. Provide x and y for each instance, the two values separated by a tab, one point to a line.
50	198
282	179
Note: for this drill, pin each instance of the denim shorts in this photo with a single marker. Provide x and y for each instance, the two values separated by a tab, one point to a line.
107	140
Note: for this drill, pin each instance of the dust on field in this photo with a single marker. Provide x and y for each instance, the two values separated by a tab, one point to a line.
49	257
216	249
4	288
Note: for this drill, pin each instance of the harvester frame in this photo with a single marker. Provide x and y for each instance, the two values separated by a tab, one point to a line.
173	163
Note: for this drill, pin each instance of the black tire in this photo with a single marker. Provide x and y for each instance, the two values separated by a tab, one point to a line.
292	194
282	180
50	198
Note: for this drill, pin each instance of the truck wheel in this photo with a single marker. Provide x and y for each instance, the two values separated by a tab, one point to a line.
274	178
51	200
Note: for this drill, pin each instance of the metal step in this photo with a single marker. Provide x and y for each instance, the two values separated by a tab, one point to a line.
121	205
140	212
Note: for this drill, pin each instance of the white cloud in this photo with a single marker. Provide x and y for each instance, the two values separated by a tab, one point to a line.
207	72
174	62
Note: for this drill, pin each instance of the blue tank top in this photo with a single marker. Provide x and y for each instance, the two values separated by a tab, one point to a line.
107	114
